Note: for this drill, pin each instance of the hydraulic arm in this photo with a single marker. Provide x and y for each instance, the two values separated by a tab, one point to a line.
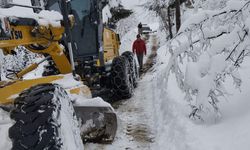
36	38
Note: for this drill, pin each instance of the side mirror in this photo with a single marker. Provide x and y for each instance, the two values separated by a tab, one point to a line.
6	3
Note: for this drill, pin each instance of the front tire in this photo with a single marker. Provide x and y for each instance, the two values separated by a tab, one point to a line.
44	120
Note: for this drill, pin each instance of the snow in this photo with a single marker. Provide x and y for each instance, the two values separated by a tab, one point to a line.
43	18
6	143
70	131
235	5
5	124
175	130
83	99
50	18
94	102
131	3
68	82
135	123
114	3
159	109
232	131
203	73
127	28
106	14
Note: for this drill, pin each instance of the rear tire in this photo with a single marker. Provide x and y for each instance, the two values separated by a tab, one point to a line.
40	113
121	79
134	69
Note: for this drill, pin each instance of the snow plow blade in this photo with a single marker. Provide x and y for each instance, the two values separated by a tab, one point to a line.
98	124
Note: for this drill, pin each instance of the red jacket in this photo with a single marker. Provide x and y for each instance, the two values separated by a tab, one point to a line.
139	47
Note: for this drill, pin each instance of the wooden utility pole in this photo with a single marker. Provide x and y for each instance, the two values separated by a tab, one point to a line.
178	14
170	23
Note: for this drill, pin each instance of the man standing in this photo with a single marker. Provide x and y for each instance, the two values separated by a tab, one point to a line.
139	47
140	28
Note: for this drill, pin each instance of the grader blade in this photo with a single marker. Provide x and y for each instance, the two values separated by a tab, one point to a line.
98	124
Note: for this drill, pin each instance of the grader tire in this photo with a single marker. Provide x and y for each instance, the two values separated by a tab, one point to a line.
38	119
121	78
133	66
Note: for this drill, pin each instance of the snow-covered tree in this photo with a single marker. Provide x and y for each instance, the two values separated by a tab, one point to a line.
213	43
169	12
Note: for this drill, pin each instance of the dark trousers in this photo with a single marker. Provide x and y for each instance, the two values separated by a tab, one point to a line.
140	60
140	31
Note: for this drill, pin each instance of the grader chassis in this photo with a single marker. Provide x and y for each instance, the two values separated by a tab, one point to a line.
40	100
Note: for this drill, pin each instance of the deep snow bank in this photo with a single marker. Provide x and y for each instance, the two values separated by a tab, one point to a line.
175	130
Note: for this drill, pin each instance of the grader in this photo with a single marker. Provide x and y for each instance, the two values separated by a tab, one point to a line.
57	109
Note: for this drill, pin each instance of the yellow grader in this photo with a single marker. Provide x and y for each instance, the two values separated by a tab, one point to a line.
83	57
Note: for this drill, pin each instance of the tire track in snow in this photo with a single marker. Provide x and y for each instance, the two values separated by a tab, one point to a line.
135	131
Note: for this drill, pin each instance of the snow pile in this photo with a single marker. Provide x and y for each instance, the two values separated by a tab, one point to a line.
70	130
213	4
201	75
106	14
169	110
84	98
94	102
53	18
68	81
5	124
44	17
114	3
200	68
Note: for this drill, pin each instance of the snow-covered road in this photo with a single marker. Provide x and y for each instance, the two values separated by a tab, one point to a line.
135	123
